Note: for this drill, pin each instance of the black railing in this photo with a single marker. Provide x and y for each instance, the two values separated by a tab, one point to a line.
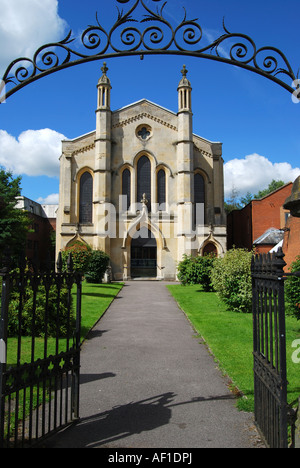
39	352
270	370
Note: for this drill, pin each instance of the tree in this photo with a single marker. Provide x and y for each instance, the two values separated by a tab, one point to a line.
232	203
14	223
246	199
274	185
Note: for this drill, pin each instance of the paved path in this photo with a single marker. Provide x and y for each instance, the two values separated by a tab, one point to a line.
147	381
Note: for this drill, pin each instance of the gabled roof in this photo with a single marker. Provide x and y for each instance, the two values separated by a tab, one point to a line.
133	104
271	237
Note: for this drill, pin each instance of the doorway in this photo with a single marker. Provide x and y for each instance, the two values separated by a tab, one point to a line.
143	254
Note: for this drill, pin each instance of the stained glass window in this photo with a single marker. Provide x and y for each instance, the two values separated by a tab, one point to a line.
161	190
126	188
144	180
199	199
86	199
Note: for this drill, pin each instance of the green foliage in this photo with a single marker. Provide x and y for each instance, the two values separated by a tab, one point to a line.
27	312
231	279
196	270
292	291
91	263
81	254
97	266
274	185
235	202
14	223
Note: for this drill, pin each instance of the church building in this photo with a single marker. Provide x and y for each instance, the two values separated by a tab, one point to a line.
142	187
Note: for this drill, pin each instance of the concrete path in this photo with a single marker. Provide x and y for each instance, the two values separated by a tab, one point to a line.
147	381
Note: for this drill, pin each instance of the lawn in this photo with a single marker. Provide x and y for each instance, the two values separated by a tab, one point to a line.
228	336
96	298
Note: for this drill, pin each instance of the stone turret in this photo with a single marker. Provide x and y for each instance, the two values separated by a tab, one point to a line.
102	167
185	162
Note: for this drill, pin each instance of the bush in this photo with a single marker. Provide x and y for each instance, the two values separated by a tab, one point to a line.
292	291
97	266
27	311
196	270
81	254
231	279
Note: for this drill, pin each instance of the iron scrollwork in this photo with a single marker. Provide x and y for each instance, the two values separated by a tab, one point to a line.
158	37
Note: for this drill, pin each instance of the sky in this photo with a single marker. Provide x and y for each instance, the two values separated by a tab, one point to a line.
255	119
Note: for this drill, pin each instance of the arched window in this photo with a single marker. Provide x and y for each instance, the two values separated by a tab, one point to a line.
126	189
144	180
199	199
161	190
86	199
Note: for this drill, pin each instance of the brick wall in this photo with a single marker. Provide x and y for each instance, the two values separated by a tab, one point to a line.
291	243
246	225
268	212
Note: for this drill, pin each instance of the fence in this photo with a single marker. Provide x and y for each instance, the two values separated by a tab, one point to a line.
39	352
269	350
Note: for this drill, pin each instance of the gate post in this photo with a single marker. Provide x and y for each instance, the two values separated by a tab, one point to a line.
269	349
279	263
77	344
4	273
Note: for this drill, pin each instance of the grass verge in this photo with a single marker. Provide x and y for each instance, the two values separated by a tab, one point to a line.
229	336
96	298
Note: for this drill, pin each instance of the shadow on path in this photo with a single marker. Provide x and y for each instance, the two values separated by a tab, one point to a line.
120	422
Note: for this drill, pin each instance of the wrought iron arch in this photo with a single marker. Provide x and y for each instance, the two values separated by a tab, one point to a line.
158	37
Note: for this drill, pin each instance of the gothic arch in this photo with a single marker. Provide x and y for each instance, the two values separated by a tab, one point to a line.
142	222
211	240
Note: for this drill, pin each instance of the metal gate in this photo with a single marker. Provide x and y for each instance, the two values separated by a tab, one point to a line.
39	352
270	376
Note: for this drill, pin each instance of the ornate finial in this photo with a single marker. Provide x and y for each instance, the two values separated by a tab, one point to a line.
104	69
184	81
144	200
104	79
184	71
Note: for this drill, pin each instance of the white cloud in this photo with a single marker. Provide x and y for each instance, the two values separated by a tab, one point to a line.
34	153
25	25
52	199
254	173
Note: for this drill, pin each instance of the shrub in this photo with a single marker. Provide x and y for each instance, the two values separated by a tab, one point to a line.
231	279
97	266
292	291
196	270
27	312
81	254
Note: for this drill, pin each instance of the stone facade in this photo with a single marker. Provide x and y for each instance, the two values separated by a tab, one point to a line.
173	180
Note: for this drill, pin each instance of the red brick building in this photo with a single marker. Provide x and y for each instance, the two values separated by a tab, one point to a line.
291	243
260	223
40	239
